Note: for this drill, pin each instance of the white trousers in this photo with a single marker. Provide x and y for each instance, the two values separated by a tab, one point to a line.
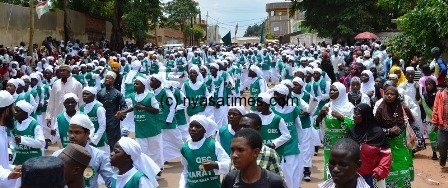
152	147
128	123
292	170
306	147
172	141
266	74
275	76
183	129
220	115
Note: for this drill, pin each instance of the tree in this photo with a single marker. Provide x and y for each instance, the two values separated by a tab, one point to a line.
341	19
422	28
179	12
254	30
197	32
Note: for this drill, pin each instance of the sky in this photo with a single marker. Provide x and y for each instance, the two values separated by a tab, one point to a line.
227	13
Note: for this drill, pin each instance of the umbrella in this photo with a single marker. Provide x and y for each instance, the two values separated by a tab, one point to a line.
366	35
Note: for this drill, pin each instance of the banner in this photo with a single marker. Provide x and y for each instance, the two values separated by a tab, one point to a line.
43	7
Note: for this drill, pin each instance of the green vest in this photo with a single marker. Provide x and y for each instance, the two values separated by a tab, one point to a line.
94	118
308	87
144	66
270	132
196	61
24	152
180	116
225	138
154	67
91	82
322	84
266	63
164	110
217	84
144	120
129	88
134	182
197	178
79	78
63	126
180	65
305	119
254	91
292	146
259	59
169	66
38	92
46	96
195	97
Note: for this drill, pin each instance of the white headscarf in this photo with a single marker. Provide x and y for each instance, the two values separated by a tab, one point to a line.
144	81
287	82
282	89
370	85
25	106
135	67
140	160
91	90
265	97
71	95
308	70
14	82
84	121
175	84
160	78
257	70
341	104
6	98
200	78
240	108
206	122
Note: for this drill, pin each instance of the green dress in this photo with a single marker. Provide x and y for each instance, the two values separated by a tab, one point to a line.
335	131
402	168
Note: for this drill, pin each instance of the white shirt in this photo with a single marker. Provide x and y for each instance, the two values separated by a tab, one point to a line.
223	161
5	167
360	183
59	89
123	179
101	115
285	134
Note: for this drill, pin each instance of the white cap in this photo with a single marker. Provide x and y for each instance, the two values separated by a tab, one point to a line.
5	98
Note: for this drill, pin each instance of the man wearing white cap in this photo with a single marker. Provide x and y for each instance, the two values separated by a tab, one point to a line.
80	131
62	120
97	115
66	84
113	101
28	136
7	172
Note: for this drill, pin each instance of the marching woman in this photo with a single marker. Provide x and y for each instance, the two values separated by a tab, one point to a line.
127	89
355	96
338	118
195	92
392	114
203	158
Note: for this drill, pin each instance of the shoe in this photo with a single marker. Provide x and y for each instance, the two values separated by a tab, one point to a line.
434	156
442	163
307	176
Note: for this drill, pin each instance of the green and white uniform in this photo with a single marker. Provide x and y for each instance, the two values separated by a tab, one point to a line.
32	140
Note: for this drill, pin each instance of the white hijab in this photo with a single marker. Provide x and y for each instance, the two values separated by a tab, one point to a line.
370	85
341	104
140	160
135	67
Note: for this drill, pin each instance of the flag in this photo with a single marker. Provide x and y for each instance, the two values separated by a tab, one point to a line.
236	29
262	36
227	39
43	7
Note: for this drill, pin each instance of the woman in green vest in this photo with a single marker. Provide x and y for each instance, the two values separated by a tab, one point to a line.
172	139
203	158
320	88
226	132
274	131
62	122
257	84
180	115
127	87
135	169
219	90
338	118
195	92
308	135
170	65
28	136
97	114
146	111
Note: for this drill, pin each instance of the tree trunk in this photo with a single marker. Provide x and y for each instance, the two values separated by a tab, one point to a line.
116	38
67	29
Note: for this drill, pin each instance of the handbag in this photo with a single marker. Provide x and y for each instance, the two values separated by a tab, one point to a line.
411	137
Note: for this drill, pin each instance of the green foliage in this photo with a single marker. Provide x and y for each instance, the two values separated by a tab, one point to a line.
139	17
399	6
179	12
254	30
342	19
422	28
270	36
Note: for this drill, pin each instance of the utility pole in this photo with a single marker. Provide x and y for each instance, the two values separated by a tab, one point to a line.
155	33
30	42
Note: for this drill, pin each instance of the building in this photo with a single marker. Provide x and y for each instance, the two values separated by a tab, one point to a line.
213	33
279	23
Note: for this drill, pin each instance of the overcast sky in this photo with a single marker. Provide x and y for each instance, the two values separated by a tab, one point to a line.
227	13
